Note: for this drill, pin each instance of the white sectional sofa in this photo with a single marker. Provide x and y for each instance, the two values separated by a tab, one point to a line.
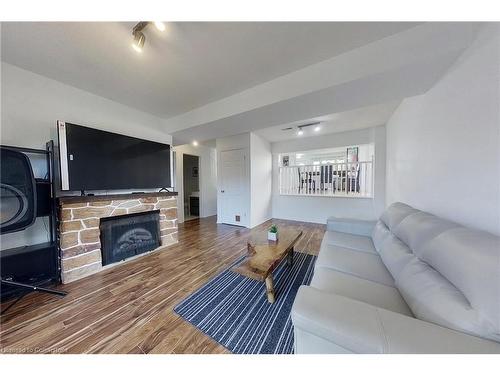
408	283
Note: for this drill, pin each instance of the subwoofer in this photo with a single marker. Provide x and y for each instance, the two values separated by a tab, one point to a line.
17	192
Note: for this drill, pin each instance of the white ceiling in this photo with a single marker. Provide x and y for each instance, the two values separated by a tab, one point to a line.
187	66
381	72
360	118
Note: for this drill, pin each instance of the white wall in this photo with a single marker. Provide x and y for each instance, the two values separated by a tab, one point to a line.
261	180
318	209
30	106
443	147
207	178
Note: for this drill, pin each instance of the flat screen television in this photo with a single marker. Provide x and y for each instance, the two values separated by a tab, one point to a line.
92	159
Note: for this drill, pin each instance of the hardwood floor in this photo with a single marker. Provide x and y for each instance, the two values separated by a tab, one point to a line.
129	308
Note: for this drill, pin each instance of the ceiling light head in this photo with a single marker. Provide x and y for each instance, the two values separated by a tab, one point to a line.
159	25
300	132
195	143
317	128
139	40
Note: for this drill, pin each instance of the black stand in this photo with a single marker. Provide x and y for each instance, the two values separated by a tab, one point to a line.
29	288
55	276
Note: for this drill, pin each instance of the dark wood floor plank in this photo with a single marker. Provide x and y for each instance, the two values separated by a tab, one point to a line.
129	308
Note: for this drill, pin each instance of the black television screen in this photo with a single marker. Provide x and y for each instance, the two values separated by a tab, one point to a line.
94	159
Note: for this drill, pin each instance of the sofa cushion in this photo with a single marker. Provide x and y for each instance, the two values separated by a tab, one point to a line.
433	298
350	286
357	263
470	260
419	228
353	226
349	241
395	213
379	234
395	255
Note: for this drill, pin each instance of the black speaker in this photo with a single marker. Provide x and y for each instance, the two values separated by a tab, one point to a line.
43	197
17	192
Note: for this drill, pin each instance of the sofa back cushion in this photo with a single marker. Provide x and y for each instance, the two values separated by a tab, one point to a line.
395	213
433	298
470	260
419	228
395	255
448	274
379	234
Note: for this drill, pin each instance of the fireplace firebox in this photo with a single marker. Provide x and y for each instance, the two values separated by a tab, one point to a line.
125	236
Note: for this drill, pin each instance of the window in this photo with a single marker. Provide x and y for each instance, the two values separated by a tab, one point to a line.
346	171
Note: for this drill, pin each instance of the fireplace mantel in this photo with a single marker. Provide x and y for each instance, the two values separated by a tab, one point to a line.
97	198
79	220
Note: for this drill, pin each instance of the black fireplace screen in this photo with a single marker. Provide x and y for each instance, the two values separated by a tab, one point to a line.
128	235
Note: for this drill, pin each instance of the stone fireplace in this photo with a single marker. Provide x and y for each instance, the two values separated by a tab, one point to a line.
82	220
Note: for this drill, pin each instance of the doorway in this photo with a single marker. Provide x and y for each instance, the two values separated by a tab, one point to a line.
191	186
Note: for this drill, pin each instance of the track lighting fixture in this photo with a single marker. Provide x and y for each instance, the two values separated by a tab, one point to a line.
300	128
316	128
139	37
160	25
139	40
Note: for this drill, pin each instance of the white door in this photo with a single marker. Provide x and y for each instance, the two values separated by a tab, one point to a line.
233	189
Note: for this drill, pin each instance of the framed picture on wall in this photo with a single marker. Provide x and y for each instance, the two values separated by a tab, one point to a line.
352	154
285	161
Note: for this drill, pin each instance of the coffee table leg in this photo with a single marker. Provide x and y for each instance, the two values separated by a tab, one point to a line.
270	288
289	259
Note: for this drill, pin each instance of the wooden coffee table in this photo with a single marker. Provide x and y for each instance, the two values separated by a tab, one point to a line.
264	256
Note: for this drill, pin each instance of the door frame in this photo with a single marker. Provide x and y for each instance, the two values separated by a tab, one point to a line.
245	220
181	185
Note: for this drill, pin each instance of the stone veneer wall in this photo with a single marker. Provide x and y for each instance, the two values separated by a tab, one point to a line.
80	235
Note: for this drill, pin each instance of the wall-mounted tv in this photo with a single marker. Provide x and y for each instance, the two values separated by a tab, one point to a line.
93	159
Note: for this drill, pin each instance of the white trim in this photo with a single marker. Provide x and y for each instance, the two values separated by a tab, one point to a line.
171	167
328	196
63	155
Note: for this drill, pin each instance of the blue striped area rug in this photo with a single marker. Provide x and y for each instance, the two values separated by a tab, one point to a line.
233	309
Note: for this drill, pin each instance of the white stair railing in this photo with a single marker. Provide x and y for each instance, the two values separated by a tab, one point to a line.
331	179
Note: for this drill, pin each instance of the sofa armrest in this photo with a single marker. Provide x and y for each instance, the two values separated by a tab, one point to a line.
362	328
352	226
